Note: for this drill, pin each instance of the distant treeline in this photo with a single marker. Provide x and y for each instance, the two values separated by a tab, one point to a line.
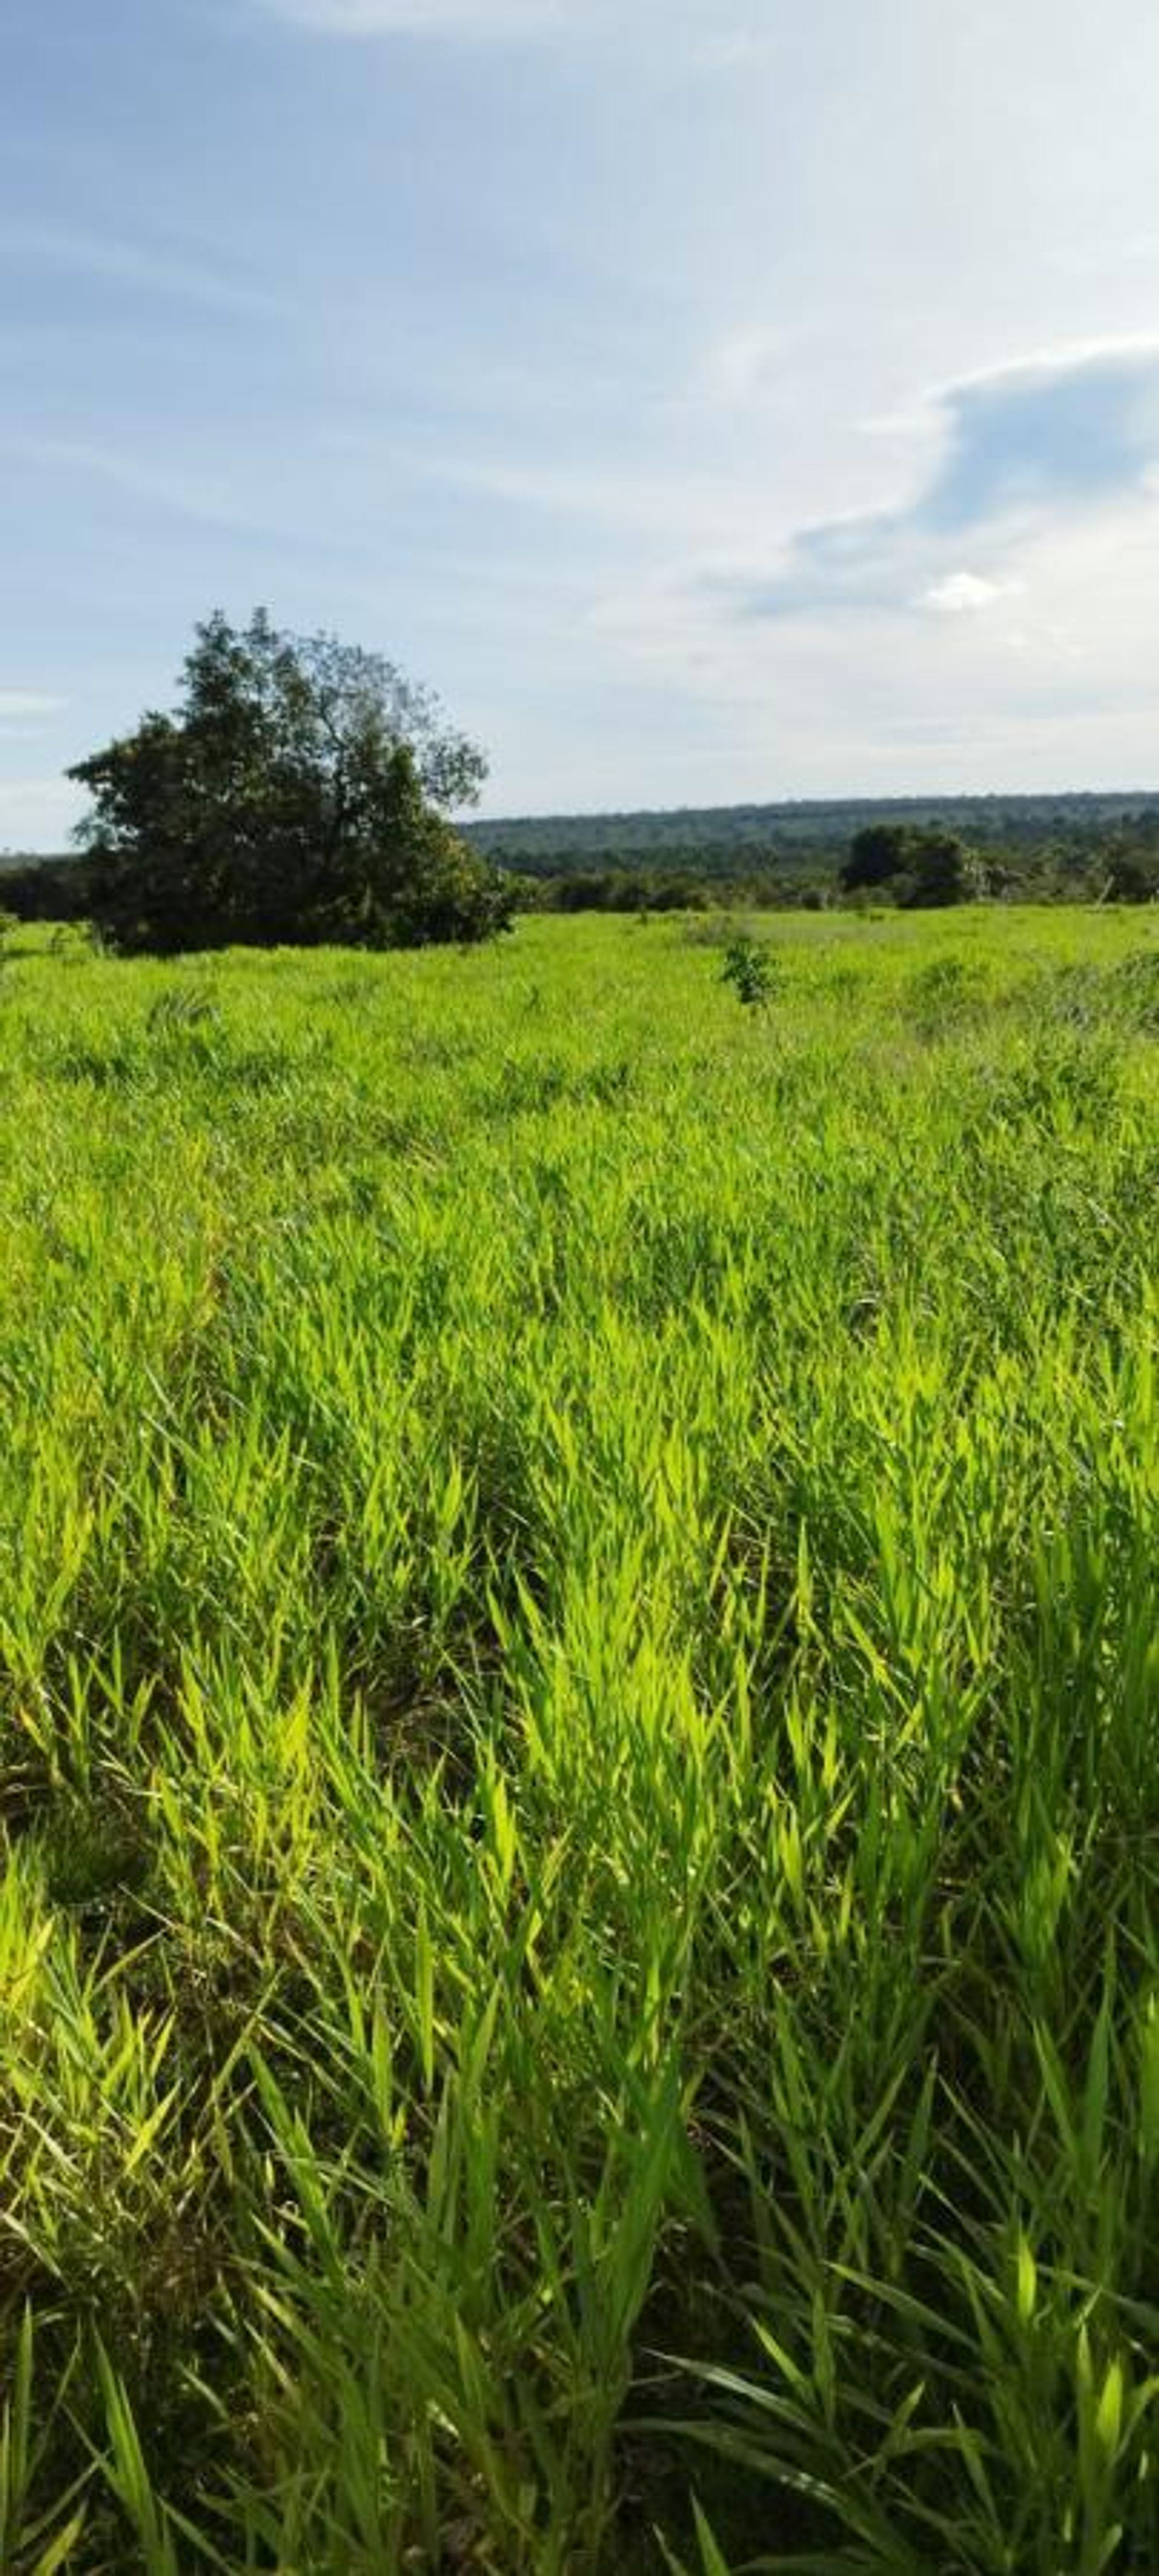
1038	849
1061	848
52	888
819	827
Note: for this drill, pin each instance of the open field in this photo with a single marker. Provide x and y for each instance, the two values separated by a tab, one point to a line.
579	1933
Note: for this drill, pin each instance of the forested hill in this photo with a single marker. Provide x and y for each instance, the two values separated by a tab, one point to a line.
731	839
1061	848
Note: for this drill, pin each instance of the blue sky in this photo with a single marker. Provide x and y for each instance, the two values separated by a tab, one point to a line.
712	401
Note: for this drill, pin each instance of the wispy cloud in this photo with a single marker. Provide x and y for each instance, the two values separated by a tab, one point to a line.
178	275
472	18
1057	433
994	622
733	49
212	501
629	499
737	49
16	704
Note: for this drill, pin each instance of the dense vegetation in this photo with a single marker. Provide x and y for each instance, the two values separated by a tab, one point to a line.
295	794
579	1938
1041	849
1031	848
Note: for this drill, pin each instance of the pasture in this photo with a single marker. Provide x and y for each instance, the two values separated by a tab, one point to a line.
579	1924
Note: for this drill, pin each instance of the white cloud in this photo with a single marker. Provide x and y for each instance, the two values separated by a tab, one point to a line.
960	594
16	703
1062	358
1060	692
741	365
1028	445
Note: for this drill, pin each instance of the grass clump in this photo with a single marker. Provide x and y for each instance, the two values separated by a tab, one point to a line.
580	1803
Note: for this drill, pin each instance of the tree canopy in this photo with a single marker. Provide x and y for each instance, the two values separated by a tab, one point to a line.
299	794
923	866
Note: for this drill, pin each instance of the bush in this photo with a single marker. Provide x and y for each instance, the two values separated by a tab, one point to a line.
750	971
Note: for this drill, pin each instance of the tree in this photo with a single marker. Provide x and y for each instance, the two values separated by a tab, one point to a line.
1132	876
941	870
878	853
297	794
923	865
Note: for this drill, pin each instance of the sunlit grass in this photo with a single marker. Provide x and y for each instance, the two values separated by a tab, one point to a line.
579	1958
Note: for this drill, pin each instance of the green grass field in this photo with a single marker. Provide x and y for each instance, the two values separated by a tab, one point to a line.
579	1930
